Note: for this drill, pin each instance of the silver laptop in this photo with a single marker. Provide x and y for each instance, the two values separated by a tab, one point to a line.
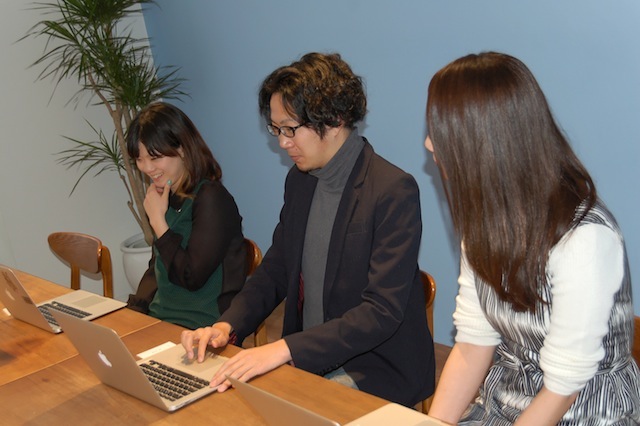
166	379
280	412
80	303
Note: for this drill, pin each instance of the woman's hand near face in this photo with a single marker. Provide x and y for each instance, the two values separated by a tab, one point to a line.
156	203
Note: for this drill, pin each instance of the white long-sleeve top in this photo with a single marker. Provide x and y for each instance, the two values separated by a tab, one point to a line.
585	270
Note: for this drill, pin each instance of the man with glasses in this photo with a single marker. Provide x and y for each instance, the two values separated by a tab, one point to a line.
344	254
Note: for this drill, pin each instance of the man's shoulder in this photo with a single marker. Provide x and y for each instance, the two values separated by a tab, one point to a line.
381	168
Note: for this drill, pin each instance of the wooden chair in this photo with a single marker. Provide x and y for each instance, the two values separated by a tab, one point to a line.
636	340
429	287
254	257
84	253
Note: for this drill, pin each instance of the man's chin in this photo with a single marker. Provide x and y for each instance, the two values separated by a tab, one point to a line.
305	169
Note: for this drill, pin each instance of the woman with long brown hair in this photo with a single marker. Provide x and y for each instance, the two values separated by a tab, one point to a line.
544	314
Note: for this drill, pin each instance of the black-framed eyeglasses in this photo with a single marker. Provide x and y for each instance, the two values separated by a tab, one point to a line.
288	131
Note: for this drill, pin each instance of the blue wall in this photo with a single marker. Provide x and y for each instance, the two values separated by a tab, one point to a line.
585	54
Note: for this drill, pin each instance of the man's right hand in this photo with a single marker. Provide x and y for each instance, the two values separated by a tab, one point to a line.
217	336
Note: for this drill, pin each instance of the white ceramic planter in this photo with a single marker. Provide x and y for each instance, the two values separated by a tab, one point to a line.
135	258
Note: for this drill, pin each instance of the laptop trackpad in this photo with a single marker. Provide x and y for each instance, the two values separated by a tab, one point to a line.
176	357
88	301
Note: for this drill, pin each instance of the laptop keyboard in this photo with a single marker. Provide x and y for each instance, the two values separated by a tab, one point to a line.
172	384
78	313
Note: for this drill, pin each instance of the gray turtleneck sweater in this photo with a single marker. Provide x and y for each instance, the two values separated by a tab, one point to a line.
332	179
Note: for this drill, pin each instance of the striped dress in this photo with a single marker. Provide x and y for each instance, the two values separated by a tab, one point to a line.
580	342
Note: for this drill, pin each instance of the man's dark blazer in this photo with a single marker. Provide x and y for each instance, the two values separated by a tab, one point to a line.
374	308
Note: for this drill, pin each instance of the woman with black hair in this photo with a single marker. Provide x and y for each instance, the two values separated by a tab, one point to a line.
198	261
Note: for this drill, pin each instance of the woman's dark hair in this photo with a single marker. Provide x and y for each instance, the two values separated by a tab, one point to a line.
319	90
512	180
163	128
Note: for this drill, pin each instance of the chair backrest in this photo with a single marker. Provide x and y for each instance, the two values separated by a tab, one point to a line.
429	287
83	253
254	257
636	340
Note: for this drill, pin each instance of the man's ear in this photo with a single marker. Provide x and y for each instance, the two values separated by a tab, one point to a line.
336	130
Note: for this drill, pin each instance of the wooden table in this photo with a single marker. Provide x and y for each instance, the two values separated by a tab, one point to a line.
25	349
69	392
44	381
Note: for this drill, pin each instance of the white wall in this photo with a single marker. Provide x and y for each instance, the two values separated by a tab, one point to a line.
34	189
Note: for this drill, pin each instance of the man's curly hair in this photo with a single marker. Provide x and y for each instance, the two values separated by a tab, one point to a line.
320	91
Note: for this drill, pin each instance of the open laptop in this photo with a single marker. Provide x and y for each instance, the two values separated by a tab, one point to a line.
79	303
280	412
111	361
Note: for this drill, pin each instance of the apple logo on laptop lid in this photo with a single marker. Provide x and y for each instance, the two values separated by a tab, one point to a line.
9	295
104	359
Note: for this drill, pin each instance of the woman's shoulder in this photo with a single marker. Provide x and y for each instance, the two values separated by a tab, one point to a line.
598	214
595	232
215	190
597	217
209	186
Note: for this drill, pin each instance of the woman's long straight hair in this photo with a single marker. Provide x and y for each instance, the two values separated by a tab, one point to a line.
512	181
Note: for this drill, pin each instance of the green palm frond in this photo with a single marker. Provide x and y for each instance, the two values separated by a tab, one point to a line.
87	40
95	156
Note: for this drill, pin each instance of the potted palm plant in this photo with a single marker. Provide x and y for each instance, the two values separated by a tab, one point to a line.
91	42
